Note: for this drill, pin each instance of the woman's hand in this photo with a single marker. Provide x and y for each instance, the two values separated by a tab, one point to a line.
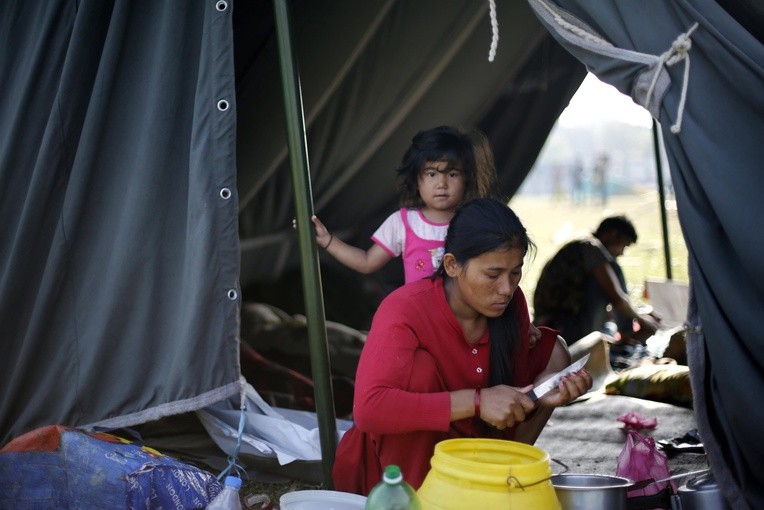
505	406
571	387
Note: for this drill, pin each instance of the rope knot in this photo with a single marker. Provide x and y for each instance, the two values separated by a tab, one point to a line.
680	50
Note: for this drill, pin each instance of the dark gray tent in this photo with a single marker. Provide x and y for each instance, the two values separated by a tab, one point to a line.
141	141
144	179
373	74
702	76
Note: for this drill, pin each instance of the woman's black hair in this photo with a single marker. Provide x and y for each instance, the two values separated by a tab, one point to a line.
444	143
478	227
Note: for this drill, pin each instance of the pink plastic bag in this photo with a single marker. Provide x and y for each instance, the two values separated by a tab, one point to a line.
640	460
634	420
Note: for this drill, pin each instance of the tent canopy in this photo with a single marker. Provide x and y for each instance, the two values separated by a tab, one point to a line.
145	181
373	74
701	74
145	188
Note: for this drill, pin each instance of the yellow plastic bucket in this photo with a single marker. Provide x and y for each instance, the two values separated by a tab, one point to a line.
488	473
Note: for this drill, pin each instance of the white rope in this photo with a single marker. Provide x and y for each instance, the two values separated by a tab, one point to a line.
494	30
570	27
680	50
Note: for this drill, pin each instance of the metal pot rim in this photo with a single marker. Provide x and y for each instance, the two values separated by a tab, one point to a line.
575	482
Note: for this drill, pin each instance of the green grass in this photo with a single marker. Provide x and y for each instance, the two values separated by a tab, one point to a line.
552	222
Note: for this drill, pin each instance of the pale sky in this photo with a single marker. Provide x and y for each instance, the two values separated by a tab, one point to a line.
595	102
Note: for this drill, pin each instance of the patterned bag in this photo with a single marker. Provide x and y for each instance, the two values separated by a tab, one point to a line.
68	468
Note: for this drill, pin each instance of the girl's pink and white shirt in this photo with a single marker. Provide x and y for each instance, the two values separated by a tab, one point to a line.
419	241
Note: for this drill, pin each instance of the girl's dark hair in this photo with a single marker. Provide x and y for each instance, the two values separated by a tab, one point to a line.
478	227
445	143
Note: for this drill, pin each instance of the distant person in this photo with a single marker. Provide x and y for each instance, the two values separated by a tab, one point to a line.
599	176
577	285
454	356
577	192
442	169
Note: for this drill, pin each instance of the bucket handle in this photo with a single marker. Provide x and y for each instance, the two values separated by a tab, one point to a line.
562	464
514	483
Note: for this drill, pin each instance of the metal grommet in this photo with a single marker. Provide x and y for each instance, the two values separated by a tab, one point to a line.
222	105
221	6
232	294
225	193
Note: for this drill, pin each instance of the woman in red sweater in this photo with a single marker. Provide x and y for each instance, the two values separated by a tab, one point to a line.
453	356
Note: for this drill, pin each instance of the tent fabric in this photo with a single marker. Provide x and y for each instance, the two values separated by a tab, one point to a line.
144	177
122	126
715	163
372	75
119	248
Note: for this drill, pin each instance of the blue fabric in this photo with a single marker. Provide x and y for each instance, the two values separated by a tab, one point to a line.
88	473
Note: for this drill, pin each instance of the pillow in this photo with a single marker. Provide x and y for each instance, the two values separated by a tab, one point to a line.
662	383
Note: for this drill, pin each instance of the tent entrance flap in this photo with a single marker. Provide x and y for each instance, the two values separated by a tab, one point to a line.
119	245
711	115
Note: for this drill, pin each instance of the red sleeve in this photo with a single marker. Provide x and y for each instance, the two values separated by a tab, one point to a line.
382	402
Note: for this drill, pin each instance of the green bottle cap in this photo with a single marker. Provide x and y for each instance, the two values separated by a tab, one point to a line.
393	474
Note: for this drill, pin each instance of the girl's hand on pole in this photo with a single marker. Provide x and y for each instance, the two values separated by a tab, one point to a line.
323	237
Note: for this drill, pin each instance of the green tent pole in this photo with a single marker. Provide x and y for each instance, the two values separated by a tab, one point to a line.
662	199
311	275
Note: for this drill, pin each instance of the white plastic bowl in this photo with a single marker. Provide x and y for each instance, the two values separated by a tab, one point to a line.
321	500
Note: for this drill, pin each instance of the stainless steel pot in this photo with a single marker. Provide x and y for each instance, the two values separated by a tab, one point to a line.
587	492
700	493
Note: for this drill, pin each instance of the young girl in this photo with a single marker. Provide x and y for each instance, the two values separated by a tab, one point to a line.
442	169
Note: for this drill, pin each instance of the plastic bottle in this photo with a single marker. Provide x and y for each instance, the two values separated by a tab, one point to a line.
392	493
228	499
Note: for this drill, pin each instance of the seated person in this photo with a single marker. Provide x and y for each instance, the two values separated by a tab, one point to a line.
454	356
583	278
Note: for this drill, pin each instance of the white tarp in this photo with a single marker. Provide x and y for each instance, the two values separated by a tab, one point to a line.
285	434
